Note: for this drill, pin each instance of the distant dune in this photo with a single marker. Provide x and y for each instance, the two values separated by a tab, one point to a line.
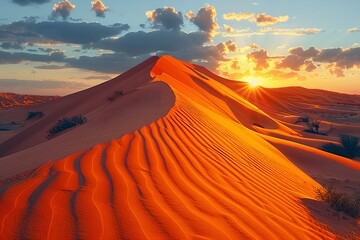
172	151
13	100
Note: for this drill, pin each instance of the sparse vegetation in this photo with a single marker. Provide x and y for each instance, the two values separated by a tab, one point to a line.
115	95
34	114
66	123
305	119
313	126
341	202
349	147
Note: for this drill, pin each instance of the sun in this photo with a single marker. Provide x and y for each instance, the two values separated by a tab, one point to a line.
253	81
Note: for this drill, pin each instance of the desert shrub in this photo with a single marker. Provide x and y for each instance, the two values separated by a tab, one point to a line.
349	147
65	123
115	95
303	119
341	202
34	114
313	126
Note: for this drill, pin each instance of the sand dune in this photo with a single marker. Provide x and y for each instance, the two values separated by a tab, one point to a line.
13	100
179	155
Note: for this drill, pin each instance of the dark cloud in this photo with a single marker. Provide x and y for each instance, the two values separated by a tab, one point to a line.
49	50
99	77
107	63
62	9
11	45
51	67
137	43
166	17
28	2
205	20
260	58
66	32
99	8
17	57
338	59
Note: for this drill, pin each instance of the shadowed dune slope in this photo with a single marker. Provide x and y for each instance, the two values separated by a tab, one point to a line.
185	164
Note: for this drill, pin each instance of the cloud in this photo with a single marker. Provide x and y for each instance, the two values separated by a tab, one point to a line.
291	31
228	28
299	58
29	2
165	17
260	58
138	43
65	32
261	19
62	9
99	7
99	77
238	16
17	57
338	59
11	45
264	20
351	30
106	63
205	20
51	67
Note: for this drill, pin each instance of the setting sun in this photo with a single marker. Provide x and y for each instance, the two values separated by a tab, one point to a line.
253	81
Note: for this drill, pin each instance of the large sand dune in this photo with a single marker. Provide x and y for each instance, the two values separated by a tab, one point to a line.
180	154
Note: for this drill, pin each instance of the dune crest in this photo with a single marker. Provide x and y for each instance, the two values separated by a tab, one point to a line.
178	155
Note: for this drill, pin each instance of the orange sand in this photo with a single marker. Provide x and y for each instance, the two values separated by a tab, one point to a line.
179	156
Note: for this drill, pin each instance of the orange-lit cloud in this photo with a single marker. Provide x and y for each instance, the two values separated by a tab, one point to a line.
228	28
260	58
353	30
238	16
205	20
290	31
62	9
99	8
261	19
265	20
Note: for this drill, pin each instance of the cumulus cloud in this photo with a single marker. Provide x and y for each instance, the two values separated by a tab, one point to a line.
264	19
66	32
165	17
338	59
99	8
351	30
28	2
62	9
238	16
299	58
260	58
205	20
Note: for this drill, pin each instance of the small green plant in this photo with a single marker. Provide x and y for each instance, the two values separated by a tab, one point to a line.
349	147
66	123
341	202
34	114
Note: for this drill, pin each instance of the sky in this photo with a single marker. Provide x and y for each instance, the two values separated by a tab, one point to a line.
50	47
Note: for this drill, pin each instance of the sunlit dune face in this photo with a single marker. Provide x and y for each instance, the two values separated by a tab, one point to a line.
253	81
